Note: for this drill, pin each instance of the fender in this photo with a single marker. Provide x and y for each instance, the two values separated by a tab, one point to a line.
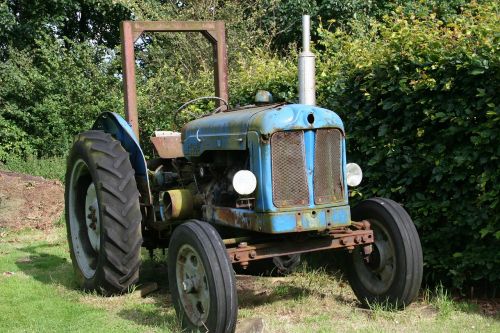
114	124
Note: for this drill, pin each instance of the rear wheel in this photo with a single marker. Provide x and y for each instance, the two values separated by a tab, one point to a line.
103	217
201	279
392	274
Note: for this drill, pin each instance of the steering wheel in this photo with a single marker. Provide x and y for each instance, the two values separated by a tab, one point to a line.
192	115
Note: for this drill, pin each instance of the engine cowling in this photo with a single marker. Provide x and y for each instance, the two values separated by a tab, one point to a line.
228	130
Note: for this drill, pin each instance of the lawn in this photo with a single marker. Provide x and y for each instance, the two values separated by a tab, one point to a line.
38	294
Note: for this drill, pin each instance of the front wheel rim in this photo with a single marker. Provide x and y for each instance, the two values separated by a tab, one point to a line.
377	275
192	285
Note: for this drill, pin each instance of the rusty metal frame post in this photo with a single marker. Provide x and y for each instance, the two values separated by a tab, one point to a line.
214	31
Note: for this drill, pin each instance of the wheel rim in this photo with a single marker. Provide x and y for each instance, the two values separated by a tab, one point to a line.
92	219
192	285
84	219
377	275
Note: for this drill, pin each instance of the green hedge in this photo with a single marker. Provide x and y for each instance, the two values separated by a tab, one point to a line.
48	95
421	103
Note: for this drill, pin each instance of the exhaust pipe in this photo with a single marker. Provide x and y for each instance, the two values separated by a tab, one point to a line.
307	62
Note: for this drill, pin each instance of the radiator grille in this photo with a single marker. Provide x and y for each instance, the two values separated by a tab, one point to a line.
328	185
288	169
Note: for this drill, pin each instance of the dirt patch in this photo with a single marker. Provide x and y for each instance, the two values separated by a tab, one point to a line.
29	202
488	307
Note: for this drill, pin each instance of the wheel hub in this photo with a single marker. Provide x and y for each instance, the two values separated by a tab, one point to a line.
377	273
92	217
192	284
379	256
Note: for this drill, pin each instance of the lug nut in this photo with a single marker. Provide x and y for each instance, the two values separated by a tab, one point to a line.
187	286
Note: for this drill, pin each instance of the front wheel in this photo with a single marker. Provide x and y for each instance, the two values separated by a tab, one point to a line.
201	279
392	274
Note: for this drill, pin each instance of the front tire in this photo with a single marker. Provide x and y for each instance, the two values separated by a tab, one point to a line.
102	212
393	273
201	279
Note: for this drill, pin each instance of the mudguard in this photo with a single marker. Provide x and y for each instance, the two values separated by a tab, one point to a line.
118	127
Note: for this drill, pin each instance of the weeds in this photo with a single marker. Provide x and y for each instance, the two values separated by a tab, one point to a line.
441	300
50	168
384	306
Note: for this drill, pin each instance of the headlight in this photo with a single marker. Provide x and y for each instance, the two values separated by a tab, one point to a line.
354	174
244	182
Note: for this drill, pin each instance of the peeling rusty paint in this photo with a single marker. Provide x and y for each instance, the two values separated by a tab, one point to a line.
274	223
341	238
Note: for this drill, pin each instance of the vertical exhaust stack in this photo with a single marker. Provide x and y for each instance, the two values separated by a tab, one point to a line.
307	63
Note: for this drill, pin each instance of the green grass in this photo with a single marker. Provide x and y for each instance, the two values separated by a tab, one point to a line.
40	295
50	168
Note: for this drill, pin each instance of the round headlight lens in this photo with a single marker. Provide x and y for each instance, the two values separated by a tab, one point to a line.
244	182
354	174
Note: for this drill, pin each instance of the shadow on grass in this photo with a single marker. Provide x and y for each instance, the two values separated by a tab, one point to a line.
151	317
252	294
46	267
158	311
432	300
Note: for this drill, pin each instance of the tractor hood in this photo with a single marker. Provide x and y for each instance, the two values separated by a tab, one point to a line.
228	130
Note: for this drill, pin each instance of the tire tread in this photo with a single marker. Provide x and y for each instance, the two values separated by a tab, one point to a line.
411	250
120	210
219	266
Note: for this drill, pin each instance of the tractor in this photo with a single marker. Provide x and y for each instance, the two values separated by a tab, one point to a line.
239	187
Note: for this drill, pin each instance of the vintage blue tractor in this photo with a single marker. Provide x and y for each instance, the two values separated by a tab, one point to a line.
259	184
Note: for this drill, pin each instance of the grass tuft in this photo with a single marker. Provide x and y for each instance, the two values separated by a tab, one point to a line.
440	298
383	306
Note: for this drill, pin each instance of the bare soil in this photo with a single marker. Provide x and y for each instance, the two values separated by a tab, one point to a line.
29	202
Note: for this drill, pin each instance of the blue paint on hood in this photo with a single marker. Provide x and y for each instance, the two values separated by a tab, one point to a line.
228	130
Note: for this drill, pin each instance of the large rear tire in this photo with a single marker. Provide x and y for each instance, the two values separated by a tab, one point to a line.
103	216
201	279
393	273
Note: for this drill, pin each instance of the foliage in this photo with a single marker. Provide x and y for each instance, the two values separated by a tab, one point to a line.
25	21
283	24
58	71
48	96
422	111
